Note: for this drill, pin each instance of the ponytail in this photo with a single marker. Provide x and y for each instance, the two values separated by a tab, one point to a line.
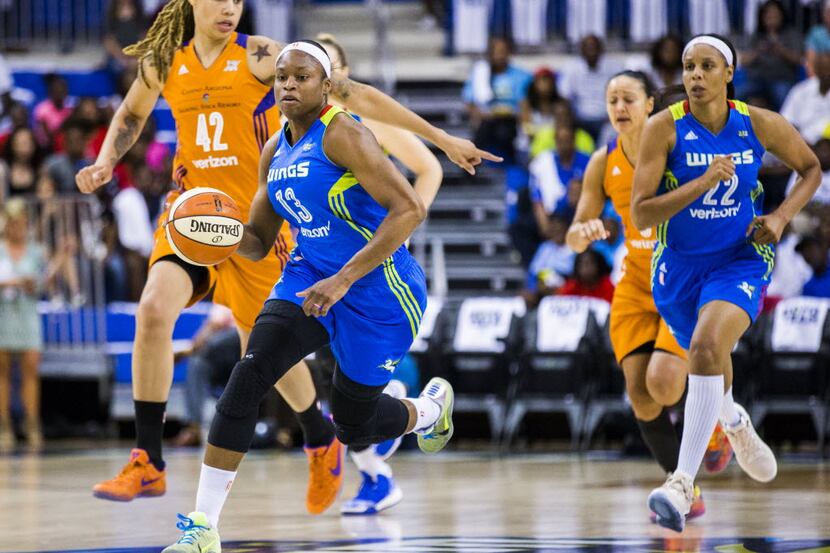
173	23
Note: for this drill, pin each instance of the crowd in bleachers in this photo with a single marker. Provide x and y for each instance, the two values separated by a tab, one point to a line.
547	124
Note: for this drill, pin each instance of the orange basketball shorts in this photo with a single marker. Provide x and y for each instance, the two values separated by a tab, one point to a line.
238	283
635	320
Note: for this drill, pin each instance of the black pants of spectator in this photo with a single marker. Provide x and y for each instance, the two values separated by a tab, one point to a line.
497	135
210	367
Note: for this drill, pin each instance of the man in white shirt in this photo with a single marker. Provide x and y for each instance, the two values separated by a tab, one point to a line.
583	83
807	105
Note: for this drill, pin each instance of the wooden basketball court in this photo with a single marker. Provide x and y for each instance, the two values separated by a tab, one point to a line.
452	503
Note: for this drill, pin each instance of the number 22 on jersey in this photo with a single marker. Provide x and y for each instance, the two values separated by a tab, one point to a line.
203	135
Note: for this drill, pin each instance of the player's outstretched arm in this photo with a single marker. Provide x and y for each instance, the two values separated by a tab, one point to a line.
370	102
587	226
263	222
351	145
783	141
124	129
647	208
415	156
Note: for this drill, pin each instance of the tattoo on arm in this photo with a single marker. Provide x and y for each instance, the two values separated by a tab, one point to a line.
127	135
343	88
261	52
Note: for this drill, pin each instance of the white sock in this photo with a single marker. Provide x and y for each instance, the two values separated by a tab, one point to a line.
370	462
428	412
214	486
728	413
703	404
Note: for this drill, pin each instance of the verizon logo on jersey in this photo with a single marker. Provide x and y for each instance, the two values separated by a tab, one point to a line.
696	159
715	213
211	162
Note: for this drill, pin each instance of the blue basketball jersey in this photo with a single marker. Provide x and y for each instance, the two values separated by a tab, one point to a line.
334	215
717	220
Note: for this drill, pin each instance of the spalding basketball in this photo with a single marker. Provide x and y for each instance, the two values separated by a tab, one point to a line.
204	226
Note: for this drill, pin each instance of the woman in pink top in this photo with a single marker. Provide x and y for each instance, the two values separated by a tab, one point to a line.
53	111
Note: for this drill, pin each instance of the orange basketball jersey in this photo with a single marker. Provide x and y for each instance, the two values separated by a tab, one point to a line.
224	116
618	181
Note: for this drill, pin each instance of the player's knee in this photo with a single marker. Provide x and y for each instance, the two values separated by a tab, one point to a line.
664	387
637	393
246	388
704	356
155	314
353	435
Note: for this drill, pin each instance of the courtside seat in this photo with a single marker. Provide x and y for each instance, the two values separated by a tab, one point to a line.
559	342
794	363
478	342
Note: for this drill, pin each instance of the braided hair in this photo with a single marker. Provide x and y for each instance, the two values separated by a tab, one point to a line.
172	25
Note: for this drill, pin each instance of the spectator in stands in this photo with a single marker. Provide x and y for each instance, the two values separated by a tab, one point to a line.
815	253
116	272
17	117
818	39
22	268
95	119
791	270
774	57
591	277
583	83
212	356
63	166
22	158
552	264
822	195
493	93
6	86
537	107
552	176
666	63
807	105
53	111
545	138
59	236
125	24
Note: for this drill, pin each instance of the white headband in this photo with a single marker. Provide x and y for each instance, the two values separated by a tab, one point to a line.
715	43
317	53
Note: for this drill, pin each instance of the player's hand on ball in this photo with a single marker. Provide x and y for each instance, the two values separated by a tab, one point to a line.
766	229
89	179
323	295
592	230
722	168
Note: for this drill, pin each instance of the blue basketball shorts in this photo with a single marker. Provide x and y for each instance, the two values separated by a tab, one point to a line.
683	284
373	326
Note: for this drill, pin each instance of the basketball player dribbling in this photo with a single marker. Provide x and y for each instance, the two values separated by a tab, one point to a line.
355	286
219	87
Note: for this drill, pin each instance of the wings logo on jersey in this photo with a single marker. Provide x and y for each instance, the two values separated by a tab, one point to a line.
697	159
747	289
389	365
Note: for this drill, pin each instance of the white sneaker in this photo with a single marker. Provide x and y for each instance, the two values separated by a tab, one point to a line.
753	455
198	536
673	500
434	439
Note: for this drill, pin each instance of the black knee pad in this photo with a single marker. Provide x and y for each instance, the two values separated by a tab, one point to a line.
248	384
281	337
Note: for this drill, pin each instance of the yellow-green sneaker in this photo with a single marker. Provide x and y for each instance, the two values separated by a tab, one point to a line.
198	536
439	391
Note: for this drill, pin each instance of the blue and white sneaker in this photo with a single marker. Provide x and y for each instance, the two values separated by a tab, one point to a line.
673	500
373	496
433	440
386	449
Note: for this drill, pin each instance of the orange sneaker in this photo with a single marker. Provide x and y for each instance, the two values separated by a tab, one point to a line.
718	452
325	478
138	478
